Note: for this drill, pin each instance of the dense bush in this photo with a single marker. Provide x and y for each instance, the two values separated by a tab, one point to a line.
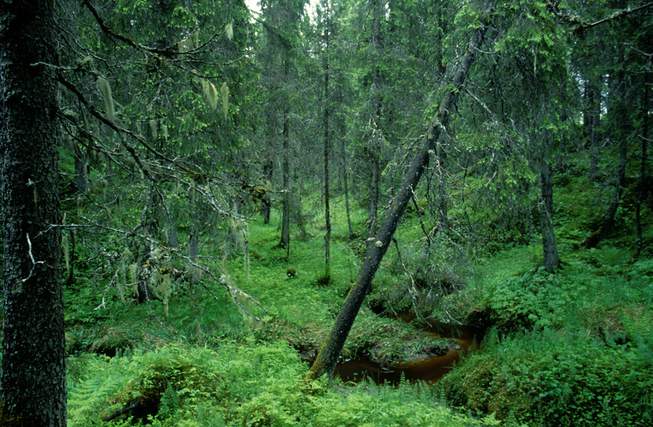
553	379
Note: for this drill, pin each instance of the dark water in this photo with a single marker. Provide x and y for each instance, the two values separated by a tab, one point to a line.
429	369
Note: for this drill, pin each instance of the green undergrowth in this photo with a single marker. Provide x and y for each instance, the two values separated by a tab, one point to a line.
252	384
570	348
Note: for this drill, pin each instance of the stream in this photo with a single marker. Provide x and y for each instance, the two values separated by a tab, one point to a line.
429	369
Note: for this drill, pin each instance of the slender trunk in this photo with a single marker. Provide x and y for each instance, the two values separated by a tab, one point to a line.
194	239
345	181
550	250
592	122
376	137
150	225
33	365
642	190
375	182
327	153
266	200
81	169
442	188
621	134
172	236
285	220
327	358
297	207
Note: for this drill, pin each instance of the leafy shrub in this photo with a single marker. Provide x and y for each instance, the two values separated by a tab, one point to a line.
554	379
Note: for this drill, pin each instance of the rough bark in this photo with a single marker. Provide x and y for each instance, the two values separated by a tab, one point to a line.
327	358
33	368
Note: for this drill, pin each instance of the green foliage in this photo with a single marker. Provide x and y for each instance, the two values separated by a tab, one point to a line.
240	384
554	378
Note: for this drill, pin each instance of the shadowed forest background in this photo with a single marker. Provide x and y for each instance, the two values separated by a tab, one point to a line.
328	213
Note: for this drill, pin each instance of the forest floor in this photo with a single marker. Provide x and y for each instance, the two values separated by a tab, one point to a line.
570	348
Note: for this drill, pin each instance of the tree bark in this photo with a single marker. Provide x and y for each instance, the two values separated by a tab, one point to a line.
642	190
327	153
550	250
374	147
592	118
266	200
345	181
285	219
443	215
327	358
33	368
621	120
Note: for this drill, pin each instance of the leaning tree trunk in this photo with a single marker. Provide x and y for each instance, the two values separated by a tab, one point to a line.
33	368
327	358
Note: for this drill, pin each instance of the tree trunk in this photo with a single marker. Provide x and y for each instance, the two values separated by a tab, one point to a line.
33	367
642	190
285	219
550	250
592	119
621	134
374	148
266	200
327	358
81	168
345	181
443	215
327	153
150	225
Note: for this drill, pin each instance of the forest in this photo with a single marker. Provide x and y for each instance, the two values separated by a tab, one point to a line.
326	213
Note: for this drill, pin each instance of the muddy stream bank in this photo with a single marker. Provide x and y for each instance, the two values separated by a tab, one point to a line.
428	368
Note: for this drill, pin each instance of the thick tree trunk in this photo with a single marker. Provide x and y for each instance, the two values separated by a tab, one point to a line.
327	358
550	250
33	369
